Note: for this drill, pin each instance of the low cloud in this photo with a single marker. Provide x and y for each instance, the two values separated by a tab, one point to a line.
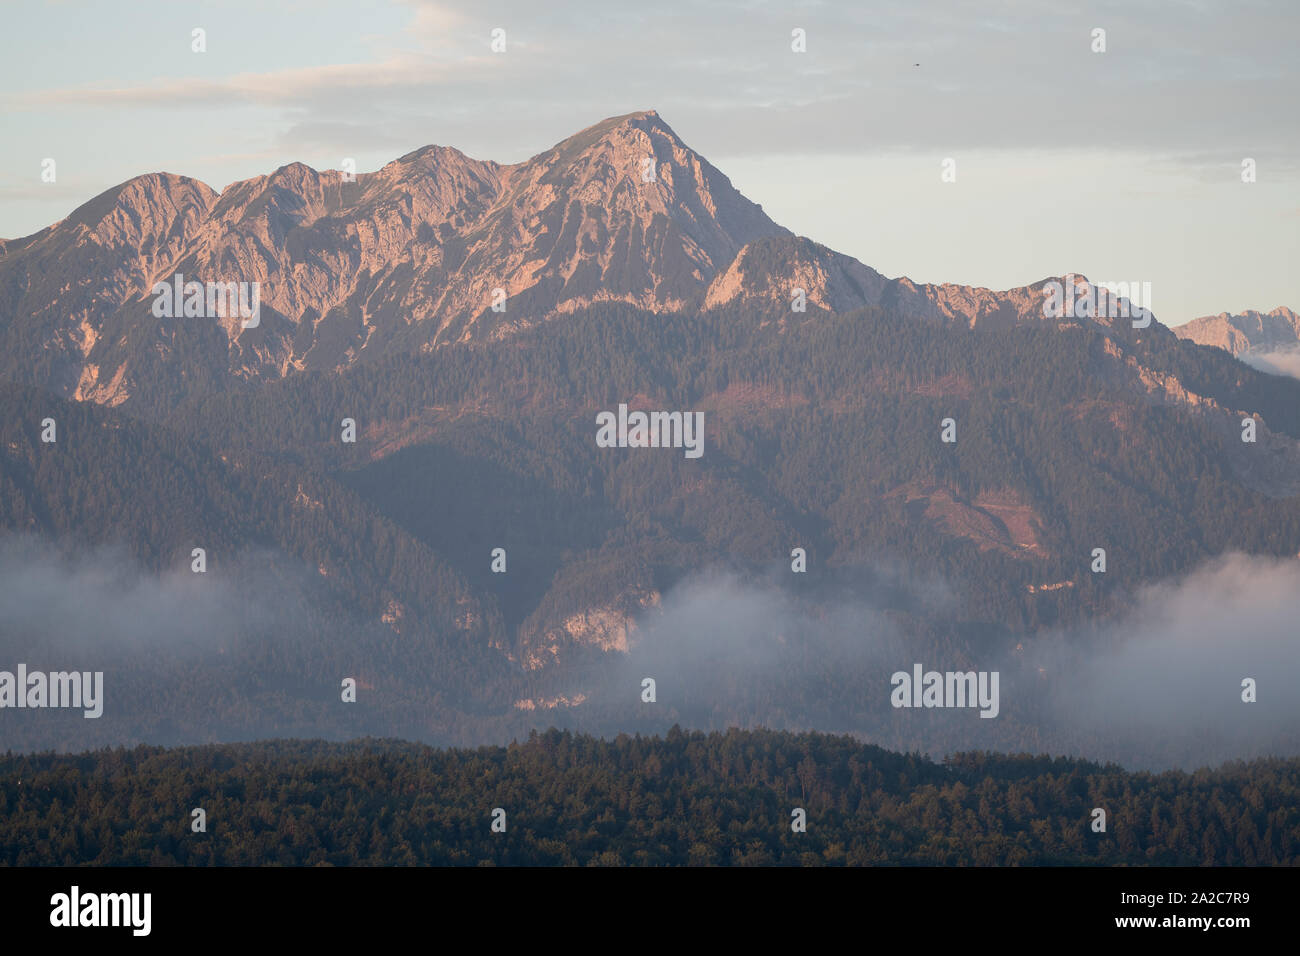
255	648
1159	686
1163	686
1275	362
99	602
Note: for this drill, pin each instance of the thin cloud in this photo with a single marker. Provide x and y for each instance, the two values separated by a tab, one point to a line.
983	83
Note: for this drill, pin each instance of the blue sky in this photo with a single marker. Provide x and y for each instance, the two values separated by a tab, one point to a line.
1122	165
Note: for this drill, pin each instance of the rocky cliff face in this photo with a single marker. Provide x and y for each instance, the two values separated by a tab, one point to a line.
417	254
407	257
58	286
774	270
1279	329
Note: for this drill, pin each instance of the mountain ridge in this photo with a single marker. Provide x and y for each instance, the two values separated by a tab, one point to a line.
1242	332
433	248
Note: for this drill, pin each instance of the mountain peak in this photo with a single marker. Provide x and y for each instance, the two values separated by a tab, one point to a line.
416	254
622	210
1243	332
632	117
629	129
143	197
295	172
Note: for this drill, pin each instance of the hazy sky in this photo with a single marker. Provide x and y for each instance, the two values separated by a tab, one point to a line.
1122	165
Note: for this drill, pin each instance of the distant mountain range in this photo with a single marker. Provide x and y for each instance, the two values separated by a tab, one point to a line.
1269	341
1263	331
410	258
631	273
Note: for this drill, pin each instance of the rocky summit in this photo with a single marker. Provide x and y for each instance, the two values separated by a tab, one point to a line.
433	248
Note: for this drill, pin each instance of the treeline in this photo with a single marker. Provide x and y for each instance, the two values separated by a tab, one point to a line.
680	799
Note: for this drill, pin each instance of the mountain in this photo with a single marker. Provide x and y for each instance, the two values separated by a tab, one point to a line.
627	563
400	259
1251	330
772	272
1268	341
486	566
60	286
412	257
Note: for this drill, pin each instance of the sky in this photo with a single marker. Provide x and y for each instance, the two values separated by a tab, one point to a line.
1122	165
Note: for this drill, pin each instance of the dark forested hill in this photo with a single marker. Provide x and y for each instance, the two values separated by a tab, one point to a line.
822	435
681	799
825	436
302	584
